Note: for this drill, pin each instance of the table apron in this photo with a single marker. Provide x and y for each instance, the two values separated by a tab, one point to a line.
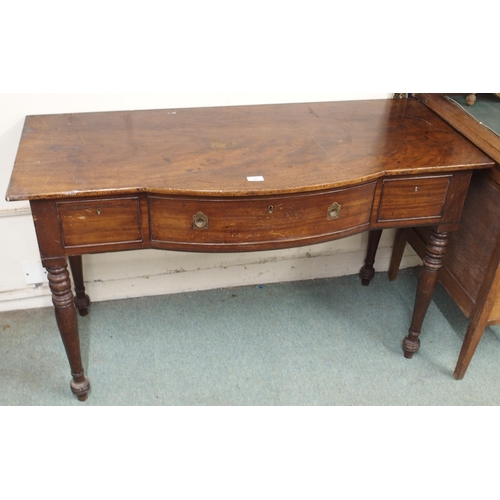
76	226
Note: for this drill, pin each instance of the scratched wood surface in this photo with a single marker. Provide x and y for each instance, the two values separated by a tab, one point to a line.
209	151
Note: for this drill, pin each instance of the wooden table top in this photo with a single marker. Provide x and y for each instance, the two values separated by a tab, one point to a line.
215	151
461	119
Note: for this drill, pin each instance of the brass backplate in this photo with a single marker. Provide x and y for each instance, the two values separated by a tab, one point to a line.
333	211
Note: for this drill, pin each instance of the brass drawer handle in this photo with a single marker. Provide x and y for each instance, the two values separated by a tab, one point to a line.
200	221
333	211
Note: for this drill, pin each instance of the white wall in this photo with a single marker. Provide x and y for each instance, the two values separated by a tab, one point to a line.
132	274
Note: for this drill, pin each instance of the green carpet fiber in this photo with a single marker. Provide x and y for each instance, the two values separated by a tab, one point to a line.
320	342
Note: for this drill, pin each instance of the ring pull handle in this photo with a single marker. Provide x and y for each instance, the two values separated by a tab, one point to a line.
200	221
333	211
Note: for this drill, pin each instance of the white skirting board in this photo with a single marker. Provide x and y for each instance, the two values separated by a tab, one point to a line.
136	274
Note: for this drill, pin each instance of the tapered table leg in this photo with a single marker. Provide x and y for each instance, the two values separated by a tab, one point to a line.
398	250
432	262
367	272
62	297
82	300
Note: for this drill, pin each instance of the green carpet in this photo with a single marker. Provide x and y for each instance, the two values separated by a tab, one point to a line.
321	342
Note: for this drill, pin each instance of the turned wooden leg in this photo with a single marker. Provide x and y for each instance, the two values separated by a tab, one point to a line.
367	272
62	297
436	248
82	300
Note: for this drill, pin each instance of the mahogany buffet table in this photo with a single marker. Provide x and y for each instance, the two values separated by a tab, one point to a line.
237	179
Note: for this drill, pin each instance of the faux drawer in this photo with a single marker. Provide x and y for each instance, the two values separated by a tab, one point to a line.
413	198
258	221
100	222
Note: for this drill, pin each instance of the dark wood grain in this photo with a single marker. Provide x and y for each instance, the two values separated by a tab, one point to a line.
203	151
82	300
367	272
428	279
64	307
259	223
415	198
88	222
481	313
184	180
470	272
478	134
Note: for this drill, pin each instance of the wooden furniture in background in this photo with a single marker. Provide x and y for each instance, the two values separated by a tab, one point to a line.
237	179
471	266
470	99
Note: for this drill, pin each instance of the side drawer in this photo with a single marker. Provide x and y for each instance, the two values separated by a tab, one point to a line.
100	222
413	198
258	222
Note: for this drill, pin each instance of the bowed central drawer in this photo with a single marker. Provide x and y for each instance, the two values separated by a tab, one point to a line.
258	223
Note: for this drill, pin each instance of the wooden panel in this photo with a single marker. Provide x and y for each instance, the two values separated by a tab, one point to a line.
494	174
413	198
476	132
469	251
258	223
471	246
100	222
494	318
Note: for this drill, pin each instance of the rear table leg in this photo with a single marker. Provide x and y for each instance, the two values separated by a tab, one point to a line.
82	300
367	272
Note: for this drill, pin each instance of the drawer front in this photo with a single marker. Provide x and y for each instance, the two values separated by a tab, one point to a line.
100	222
258	222
413	198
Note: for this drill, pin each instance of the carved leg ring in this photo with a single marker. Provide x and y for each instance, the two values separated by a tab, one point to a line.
427	282
62	298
